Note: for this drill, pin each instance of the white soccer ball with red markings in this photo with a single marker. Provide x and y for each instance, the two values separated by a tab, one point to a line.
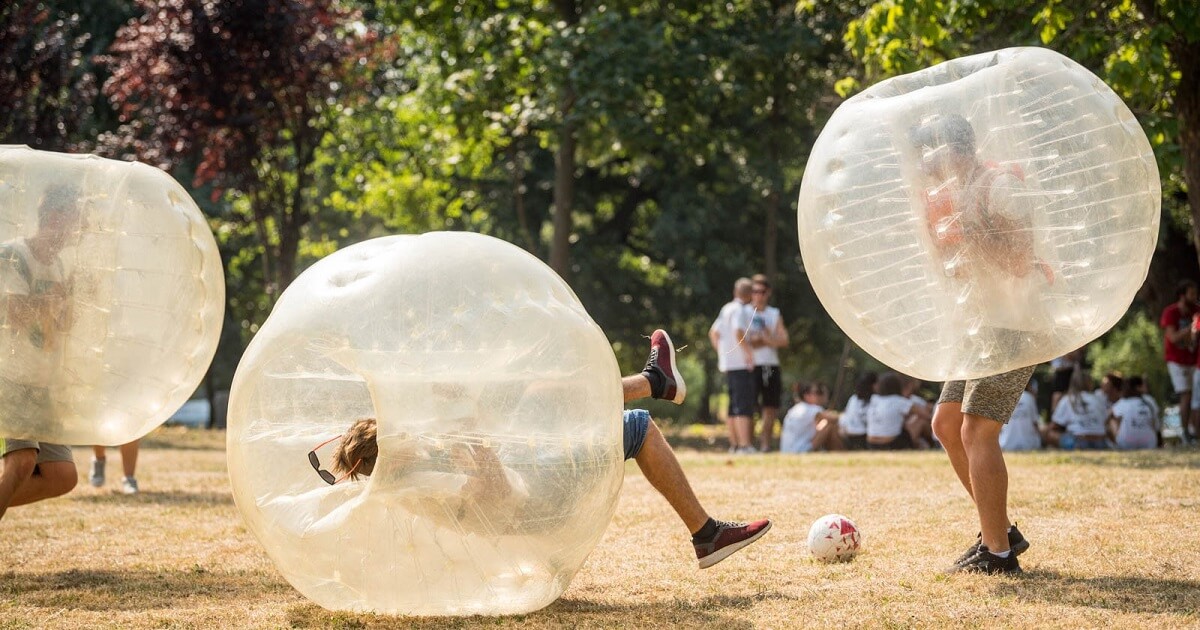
834	538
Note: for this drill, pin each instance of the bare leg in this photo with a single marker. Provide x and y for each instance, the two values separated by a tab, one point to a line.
947	426
766	437
742	430
634	387
915	426
989	479
662	470
129	456
1185	413
729	426
98	452
20	486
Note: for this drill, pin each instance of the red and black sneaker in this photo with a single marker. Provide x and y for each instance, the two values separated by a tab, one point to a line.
666	383
730	537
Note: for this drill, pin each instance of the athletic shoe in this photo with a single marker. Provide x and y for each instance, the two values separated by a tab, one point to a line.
730	537
985	561
1016	542
129	486
661	369
97	476
747	450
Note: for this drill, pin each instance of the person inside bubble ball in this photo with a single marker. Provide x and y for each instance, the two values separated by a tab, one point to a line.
36	308
494	494
981	231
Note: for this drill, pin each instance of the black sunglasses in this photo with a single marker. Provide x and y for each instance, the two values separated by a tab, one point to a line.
327	476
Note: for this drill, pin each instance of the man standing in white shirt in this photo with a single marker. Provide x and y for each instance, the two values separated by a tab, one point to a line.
735	359
767	335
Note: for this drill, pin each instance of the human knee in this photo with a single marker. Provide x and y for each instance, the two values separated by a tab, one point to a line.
20	463
946	428
980	431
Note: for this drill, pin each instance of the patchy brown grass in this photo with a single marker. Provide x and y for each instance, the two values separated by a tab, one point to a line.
1116	542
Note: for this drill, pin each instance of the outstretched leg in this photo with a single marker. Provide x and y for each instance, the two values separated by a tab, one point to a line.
713	540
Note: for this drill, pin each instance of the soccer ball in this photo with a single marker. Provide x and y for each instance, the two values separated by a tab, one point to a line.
834	538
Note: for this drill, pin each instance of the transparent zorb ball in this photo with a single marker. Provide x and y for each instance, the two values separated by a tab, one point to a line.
497	402
986	214
111	297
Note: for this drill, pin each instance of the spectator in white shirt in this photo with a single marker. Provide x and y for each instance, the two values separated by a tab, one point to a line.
1022	433
735	359
808	426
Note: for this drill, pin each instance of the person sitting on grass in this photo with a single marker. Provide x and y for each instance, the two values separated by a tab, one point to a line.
1078	422
853	421
894	421
808	426
1022	433
1133	422
495	489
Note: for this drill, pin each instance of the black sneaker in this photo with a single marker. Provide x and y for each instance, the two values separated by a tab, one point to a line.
666	383
985	561
1016	542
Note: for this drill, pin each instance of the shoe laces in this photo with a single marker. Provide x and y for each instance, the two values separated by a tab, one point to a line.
652	361
728	524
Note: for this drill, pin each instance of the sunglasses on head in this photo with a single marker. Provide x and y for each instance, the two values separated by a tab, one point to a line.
327	476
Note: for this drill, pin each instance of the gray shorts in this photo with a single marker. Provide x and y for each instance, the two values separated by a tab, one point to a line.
47	452
992	397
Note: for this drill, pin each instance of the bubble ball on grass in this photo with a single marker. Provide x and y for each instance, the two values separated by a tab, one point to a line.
982	215
463	348
111	297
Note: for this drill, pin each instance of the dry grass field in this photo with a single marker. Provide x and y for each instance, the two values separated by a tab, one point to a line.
1116	543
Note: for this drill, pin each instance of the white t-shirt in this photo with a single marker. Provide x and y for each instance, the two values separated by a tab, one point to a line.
762	322
734	316
1138	421
26	357
799	428
1087	419
1021	432
853	420
886	414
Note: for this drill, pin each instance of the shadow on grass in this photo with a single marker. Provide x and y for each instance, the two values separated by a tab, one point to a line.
155	498
1149	460
1126	594
724	611
134	590
180	439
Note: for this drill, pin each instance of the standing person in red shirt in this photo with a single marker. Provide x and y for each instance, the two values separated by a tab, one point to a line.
1179	346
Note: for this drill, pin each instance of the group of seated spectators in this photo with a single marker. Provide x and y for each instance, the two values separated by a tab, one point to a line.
886	413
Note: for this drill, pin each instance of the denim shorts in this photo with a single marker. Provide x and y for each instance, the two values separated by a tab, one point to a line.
637	423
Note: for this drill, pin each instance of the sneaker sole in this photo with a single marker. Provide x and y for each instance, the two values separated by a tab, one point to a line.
725	552
680	387
1020	547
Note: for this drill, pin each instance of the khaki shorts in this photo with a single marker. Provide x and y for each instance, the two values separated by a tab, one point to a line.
47	452
992	397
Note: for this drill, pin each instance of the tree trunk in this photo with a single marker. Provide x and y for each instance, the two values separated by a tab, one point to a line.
564	187
1187	109
564	162
705	414
518	183
771	233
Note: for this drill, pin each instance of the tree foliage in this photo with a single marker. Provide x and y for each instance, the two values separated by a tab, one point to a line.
47	84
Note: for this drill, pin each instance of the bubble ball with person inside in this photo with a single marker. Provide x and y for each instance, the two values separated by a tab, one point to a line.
491	457
982	215
111	297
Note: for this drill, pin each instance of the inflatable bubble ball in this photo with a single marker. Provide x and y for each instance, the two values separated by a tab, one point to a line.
111	297
983	215
492	457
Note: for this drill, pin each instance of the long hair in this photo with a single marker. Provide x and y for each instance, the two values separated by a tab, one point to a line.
864	388
1080	383
358	446
890	384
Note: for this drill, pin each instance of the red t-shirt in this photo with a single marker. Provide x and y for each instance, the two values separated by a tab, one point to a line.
1172	316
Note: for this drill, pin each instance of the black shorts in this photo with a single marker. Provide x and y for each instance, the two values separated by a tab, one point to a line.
855	442
770	385
742	392
902	443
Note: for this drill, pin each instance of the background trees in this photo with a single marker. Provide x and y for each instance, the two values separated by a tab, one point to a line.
651	153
